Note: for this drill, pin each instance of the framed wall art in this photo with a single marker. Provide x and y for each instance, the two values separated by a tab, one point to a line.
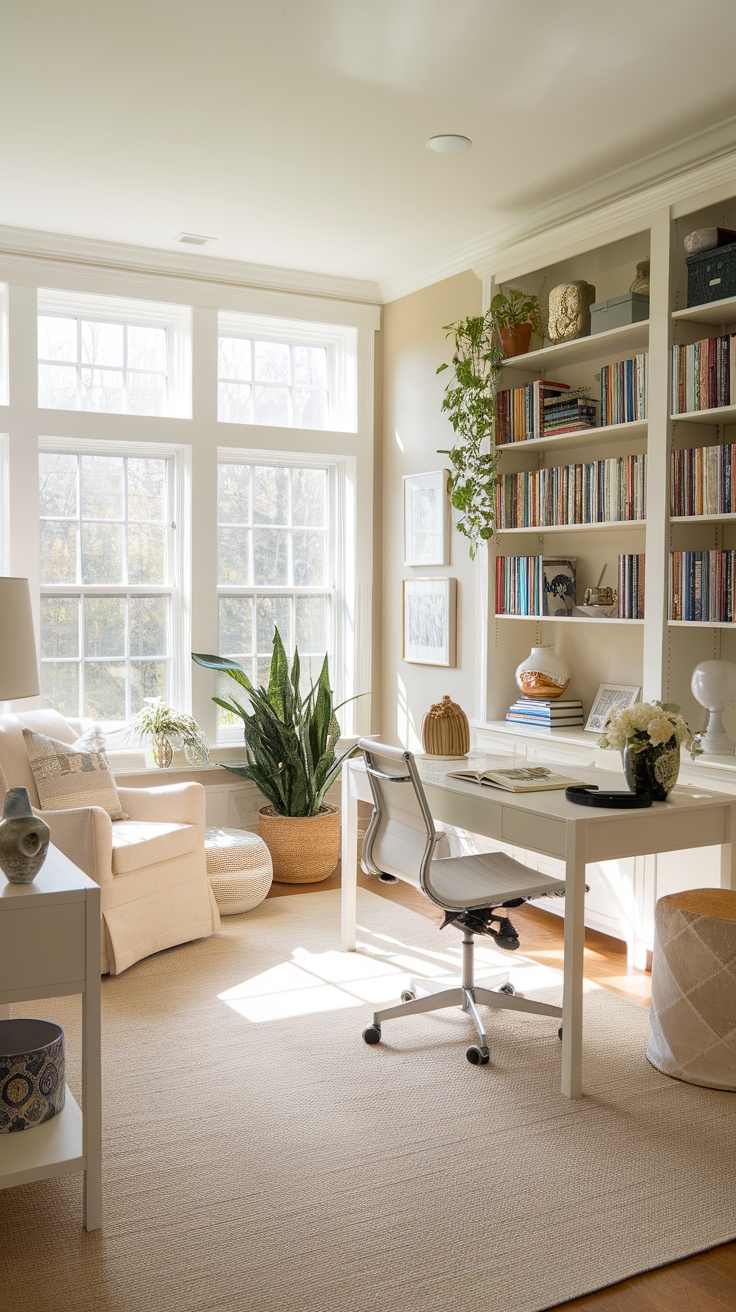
610	697
426	519
429	621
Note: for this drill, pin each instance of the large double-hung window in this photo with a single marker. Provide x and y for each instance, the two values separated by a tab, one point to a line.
108	579
276	562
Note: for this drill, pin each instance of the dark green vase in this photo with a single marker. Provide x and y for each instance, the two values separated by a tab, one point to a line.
652	770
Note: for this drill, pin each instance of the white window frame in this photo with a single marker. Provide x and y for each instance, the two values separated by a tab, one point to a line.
336	475
4	353
178	552
175	319
340	342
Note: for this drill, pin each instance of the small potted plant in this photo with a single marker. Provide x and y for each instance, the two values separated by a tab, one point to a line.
291	749
515	317
159	722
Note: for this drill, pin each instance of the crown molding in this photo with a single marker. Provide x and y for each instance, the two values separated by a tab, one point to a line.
88	252
697	163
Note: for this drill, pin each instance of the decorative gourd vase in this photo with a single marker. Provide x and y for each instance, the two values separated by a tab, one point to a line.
445	730
653	769
163	752
543	674
24	838
569	311
514	338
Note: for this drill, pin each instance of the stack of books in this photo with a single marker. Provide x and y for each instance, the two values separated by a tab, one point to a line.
545	713
570	412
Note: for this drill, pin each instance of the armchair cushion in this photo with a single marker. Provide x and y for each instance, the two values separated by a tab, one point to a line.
68	776
140	843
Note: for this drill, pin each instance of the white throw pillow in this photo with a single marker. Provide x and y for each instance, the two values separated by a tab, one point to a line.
69	776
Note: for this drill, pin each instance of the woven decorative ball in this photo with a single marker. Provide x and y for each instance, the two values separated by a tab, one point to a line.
239	869
445	730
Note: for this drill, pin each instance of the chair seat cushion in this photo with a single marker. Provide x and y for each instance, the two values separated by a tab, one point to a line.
487	880
139	843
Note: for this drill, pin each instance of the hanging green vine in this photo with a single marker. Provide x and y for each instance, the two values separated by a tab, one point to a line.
470	406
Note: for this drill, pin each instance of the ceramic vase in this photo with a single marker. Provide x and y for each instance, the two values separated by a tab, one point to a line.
24	838
543	674
641	281
652	770
569	311
445	730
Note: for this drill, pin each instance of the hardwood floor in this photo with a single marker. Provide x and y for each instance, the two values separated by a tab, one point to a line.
706	1283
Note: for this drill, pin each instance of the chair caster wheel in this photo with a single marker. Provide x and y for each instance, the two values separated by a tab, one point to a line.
508	988
559	1032
408	995
372	1034
478	1056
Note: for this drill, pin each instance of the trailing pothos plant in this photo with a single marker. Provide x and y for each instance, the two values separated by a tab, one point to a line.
470	406
290	740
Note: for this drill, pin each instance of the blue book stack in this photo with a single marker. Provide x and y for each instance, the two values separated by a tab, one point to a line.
545	713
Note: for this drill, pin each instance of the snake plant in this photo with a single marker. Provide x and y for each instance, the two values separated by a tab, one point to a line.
290	740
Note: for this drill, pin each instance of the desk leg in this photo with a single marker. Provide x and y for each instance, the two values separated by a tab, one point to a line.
91	1075
572	996
728	851
348	859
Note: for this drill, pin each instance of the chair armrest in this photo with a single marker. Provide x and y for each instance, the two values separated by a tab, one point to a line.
84	834
182	804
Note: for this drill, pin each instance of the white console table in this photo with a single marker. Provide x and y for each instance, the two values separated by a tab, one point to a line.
50	947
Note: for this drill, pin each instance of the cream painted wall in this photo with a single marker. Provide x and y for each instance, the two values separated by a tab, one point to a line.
413	429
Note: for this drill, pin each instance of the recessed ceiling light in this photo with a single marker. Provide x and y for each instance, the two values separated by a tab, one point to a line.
193	239
449	144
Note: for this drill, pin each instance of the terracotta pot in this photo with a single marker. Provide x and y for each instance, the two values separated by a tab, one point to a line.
304	848
515	338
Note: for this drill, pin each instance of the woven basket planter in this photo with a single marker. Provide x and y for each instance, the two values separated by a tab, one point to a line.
304	848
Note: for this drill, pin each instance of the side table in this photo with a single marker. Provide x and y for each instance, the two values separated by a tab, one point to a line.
50	947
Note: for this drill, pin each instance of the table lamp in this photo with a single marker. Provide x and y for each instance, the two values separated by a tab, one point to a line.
714	685
18	664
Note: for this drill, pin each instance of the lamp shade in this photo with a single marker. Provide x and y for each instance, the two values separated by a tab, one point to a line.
18	664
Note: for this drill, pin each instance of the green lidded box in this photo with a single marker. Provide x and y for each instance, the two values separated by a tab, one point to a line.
711	275
618	311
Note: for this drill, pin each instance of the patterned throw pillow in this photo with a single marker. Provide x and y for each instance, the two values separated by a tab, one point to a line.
66	775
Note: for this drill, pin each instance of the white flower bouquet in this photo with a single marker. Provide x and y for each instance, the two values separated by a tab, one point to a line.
646	725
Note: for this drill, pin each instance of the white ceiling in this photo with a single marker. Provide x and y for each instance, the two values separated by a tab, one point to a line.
294	131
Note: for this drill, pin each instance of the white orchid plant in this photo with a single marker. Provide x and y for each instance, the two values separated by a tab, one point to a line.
646	725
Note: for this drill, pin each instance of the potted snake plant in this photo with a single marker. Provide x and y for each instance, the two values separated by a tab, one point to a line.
291	756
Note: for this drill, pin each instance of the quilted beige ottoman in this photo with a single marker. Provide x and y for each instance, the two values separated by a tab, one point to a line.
693	1014
239	869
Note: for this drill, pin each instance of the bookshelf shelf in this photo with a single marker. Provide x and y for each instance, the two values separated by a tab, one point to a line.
701	624
582	437
571	528
611	345
725	414
702	519
717	312
570	619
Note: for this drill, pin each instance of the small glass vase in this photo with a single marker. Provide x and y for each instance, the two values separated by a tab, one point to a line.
196	754
652	770
163	752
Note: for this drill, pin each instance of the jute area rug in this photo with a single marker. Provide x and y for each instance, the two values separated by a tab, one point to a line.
259	1157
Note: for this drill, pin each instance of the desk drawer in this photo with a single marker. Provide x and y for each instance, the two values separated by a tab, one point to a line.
42	945
538	832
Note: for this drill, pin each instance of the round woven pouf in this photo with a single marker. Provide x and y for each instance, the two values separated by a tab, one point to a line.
239	869
693	1013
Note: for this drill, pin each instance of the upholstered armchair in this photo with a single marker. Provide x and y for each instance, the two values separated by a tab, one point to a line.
150	866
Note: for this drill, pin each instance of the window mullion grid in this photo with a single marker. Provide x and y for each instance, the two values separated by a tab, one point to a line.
125	372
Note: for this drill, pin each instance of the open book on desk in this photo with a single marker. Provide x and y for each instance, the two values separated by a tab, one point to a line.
520	779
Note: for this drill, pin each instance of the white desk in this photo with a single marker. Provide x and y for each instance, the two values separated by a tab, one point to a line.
50	947
545	822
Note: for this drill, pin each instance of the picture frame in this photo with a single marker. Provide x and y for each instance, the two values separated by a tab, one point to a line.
610	697
429	621
426	519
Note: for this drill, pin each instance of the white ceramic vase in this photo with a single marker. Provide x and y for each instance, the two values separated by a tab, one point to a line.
714	685
543	674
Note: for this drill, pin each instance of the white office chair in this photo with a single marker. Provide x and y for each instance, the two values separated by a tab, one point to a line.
401	840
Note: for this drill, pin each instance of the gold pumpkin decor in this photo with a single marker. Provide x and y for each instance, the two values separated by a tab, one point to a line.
445	730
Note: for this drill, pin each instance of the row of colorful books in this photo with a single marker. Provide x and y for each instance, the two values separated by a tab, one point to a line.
519	410
545	714
703	586
624	390
704	374
702	480
535	585
597	492
631	586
